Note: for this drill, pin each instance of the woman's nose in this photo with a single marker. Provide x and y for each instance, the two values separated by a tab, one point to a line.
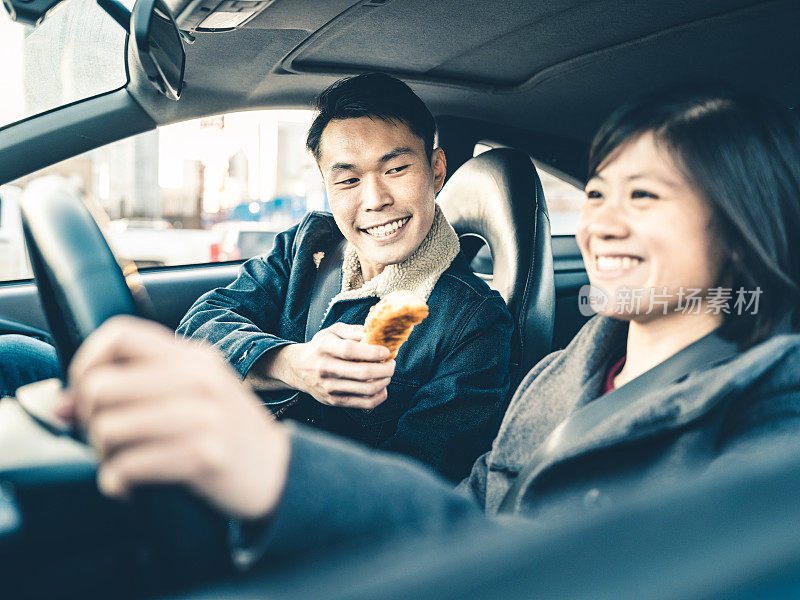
374	195
605	222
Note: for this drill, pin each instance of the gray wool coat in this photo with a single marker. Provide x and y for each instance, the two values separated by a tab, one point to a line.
728	406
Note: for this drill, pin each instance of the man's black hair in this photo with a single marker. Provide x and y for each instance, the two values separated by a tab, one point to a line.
375	95
741	154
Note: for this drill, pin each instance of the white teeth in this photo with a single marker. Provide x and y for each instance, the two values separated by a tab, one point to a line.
616	263
384	230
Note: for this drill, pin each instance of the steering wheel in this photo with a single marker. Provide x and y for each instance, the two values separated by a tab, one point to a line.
80	282
81	285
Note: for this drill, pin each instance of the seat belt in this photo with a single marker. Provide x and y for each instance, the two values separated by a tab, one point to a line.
327	283
704	353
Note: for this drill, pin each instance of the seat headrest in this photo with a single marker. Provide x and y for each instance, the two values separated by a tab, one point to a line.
498	197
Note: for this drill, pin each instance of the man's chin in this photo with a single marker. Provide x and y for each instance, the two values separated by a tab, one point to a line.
388	261
389	258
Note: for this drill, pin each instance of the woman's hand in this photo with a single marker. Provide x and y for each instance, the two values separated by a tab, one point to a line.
161	410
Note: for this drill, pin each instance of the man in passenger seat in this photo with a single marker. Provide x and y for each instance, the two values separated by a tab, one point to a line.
440	400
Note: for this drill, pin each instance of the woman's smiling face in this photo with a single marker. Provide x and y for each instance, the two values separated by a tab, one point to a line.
644	227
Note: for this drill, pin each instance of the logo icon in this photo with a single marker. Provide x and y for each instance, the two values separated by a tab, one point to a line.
591	300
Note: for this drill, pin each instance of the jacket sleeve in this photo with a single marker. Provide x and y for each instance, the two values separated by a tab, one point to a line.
454	417
239	320
341	494
474	486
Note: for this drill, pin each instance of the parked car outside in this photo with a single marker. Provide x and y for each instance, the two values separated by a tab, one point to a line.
127	224
240	240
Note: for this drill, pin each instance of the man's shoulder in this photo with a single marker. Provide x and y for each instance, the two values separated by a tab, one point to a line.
459	290
316	222
316	232
459	276
318	218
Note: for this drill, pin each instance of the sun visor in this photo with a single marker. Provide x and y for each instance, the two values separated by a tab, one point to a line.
206	16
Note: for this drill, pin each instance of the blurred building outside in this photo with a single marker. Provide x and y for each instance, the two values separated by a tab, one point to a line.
240	167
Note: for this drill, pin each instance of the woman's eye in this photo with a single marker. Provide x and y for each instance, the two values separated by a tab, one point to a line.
396	170
637	194
593	194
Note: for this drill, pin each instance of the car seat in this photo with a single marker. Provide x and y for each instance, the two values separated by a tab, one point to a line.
496	199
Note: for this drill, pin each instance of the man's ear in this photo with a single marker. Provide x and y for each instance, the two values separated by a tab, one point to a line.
439	166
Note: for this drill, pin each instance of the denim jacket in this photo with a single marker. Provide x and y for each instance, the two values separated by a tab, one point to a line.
445	398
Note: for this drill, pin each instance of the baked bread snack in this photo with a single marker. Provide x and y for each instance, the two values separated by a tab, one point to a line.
390	321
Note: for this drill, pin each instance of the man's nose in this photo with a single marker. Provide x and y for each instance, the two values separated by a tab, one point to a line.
374	194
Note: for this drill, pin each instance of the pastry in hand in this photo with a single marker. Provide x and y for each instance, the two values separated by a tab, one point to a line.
390	321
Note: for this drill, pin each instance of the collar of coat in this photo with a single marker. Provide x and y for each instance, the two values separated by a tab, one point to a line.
418	273
565	381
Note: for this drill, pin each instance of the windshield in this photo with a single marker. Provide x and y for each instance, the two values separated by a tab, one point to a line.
77	52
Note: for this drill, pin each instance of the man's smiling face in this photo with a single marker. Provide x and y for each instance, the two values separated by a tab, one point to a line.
381	187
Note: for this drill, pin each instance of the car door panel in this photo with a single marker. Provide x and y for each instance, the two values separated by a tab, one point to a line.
21	310
171	292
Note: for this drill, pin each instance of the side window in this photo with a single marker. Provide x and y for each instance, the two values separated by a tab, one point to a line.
13	258
211	189
564	199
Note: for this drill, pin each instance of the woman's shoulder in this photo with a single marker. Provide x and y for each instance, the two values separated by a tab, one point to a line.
773	365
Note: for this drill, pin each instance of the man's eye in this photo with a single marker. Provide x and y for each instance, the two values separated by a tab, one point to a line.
397	170
638	194
350	181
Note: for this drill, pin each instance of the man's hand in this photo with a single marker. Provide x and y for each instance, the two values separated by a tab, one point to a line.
335	367
161	410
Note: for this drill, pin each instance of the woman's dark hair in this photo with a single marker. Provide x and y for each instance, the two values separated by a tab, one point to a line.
742	155
372	95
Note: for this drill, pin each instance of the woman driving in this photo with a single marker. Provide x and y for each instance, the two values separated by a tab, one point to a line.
692	363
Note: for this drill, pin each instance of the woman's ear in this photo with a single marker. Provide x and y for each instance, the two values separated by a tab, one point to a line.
439	167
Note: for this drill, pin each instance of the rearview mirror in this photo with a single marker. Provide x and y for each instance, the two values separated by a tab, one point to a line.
159	46
29	12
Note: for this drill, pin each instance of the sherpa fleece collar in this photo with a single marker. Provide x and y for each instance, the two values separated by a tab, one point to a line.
418	273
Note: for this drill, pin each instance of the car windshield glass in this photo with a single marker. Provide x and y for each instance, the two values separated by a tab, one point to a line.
77	52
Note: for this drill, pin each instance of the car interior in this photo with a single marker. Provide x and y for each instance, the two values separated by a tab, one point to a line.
531	82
